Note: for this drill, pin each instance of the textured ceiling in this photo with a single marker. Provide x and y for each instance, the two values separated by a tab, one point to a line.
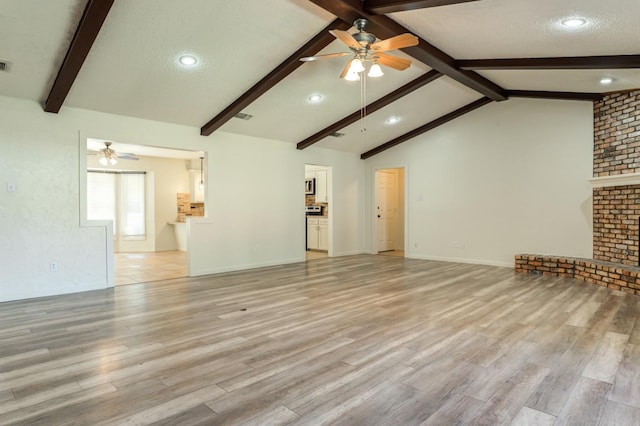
132	68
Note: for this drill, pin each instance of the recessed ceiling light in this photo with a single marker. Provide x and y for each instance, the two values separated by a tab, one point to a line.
606	80
188	60
573	22
392	120
314	99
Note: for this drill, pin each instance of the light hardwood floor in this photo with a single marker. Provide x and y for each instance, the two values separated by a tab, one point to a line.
357	340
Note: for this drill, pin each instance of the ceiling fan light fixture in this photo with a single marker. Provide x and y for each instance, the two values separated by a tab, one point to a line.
352	76
107	156
356	66
375	71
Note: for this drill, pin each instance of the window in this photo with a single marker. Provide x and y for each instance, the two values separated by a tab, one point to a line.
120	197
132	206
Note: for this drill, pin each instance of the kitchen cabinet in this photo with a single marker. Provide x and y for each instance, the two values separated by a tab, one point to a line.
322	195
323	234
317	233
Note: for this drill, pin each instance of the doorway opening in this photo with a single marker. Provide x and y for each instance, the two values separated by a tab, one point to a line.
145	199
318	207
389	212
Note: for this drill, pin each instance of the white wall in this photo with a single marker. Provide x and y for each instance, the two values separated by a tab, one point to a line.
169	177
509	178
260	220
255	198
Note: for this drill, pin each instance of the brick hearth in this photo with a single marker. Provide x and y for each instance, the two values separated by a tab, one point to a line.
607	274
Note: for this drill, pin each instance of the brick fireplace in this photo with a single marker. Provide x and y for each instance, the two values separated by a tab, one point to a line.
616	153
616	202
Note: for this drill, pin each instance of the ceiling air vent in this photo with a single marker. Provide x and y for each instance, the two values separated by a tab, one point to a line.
5	65
243	116
337	134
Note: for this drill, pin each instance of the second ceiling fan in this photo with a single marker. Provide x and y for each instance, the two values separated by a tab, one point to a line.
365	48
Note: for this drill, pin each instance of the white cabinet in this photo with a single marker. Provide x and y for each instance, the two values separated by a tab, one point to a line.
322	195
312	233
317	233
321	186
323	234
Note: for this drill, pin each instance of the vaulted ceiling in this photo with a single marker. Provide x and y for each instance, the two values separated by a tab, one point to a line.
121	57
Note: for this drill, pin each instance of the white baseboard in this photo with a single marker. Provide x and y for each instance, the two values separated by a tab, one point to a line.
462	260
234	268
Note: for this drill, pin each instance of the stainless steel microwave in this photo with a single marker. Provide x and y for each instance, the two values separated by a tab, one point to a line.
310	186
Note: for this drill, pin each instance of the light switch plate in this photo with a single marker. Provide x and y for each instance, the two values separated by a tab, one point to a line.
11	187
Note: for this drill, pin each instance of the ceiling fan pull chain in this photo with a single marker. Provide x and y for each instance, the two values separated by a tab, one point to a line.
363	102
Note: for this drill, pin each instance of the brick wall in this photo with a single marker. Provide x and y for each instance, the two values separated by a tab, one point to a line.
616	150
615	224
616	126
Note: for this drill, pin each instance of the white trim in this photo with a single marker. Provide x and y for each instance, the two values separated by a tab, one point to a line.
615	180
463	260
84	222
212	271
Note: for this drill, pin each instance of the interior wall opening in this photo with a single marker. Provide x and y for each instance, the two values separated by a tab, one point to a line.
148	194
389	212
318	211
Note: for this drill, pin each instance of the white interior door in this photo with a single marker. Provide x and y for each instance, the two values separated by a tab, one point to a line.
386	209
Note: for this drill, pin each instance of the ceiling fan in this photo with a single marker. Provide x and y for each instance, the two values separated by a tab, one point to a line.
108	156
365	48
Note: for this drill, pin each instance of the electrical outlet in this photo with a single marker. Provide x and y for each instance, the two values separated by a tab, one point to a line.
53	266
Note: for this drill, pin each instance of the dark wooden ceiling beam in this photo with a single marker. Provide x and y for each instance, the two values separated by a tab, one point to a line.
317	43
378	7
92	19
371	108
560	63
384	27
569	96
429	126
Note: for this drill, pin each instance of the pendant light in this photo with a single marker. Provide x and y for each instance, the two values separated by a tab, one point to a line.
201	174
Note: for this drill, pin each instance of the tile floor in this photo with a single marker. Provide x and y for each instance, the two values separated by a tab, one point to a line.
394	253
133	268
312	254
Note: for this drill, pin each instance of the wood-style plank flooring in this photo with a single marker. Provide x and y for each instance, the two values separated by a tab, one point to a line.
359	340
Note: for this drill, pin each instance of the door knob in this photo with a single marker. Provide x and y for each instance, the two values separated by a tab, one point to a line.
378	215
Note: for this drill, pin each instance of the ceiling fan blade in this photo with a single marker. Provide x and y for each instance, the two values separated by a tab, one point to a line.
394	62
346	38
397	42
346	68
328	55
127	156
